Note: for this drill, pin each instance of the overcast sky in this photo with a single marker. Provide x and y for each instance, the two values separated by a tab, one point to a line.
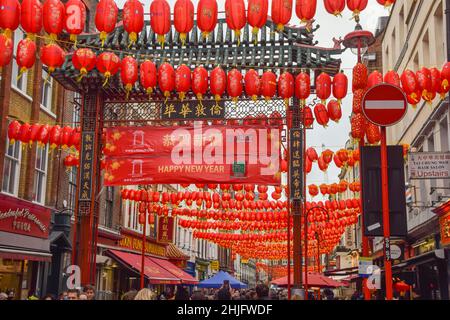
335	135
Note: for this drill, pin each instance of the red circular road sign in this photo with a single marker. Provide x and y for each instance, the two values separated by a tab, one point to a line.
384	104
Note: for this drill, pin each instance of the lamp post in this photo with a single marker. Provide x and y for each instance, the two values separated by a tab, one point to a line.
359	41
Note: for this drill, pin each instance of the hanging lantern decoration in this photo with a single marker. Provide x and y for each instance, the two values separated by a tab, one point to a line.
182	81
392	77
31	17
436	81
308	116
313	190
424	81
52	56
43	135
311	153
321	115
183	18
302	87
55	136
334	111
373	133
334	7
24	133
268	85
166	79
9	16
6	50
83	59
356	6
108	64
206	16
160	19
147	76
323	87
445	81
234	84
128	73
106	18
340	84
305	10
75	17
386	3
13	131
252	84
66	132
199	82
360	74
133	19
323	166
337	161
374	78
281	13
53	18
357	126
286	87
327	156
411	87
235	17
358	96
257	15
218	83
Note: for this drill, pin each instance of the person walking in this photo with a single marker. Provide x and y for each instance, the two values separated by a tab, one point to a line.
145	294
262	292
224	292
182	293
89	290
73	294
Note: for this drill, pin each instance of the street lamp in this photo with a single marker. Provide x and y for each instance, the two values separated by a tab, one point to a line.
359	41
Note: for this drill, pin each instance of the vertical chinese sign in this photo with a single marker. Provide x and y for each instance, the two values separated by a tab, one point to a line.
87	147
165	229
295	164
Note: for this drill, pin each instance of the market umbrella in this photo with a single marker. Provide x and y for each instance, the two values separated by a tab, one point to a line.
217	281
314	280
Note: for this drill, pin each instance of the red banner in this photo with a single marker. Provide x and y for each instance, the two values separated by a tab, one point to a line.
165	229
196	154
23	217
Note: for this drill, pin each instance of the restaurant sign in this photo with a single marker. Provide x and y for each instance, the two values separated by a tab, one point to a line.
165	229
135	243
429	165
23	217
444	222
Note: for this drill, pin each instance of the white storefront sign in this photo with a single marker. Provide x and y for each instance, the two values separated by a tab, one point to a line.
429	165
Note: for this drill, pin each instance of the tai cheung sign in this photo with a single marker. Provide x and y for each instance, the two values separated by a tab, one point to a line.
429	165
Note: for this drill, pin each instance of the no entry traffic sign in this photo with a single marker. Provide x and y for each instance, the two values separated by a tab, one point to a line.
384	104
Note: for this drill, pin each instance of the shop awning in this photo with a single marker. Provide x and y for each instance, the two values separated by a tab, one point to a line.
153	271
14	254
185	277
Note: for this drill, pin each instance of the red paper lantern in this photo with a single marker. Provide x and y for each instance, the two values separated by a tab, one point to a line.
166	78
206	16
357	126
9	16
268	85
374	78
308	116
160	19
108	64
410	86
302	87
55	136
53	17
337	161
436	81
358	95
83	59
133	19
323	166
75	17
43	135
359	76
106	18
6	50
252	84
334	111
235	16
129	73
13	131
356	6
199	82
75	138
334	7
218	82
323	87
182	81
257	15
392	77
320	112
340	84
31	16
445	74
286	86
281	13
66	132
52	56
425	85
313	190
386	3
234	84
183	18
148	76
312	154
373	133
305	9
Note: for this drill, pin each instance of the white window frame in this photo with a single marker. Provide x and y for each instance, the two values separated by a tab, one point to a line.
18	161
19	35
47	105
41	173
73	173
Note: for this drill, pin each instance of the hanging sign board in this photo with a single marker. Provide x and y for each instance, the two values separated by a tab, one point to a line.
429	165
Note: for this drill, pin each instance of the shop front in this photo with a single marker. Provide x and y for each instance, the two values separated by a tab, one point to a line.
24	246
202	268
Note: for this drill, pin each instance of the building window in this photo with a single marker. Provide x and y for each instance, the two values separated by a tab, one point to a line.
11	168
40	177
72	187
46	94
17	82
109	204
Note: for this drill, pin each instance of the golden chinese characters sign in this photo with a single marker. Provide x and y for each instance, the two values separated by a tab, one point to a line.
444	222
135	243
165	229
193	110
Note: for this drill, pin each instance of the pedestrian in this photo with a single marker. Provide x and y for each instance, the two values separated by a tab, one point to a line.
11	295
262	292
197	295
182	293
224	292
73	294
62	295
162	296
83	296
129	295
89	290
145	294
49	297
3	296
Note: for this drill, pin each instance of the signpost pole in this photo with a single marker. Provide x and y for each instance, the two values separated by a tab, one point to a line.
386	224
143	250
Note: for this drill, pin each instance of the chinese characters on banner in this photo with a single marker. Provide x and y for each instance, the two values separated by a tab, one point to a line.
296	164
193	110
201	154
87	150
165	229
